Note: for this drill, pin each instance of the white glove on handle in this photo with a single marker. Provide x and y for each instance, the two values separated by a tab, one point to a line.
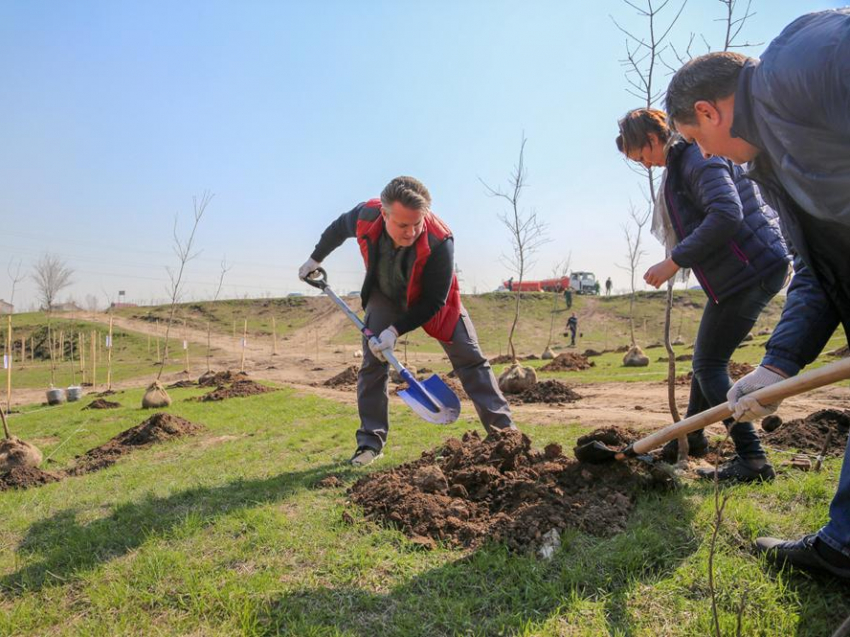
745	407
308	268
386	341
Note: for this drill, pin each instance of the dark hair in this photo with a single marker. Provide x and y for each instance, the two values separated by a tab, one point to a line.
709	77
409	192
636	126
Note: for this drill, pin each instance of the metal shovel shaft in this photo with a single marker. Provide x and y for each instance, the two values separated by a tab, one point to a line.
432	400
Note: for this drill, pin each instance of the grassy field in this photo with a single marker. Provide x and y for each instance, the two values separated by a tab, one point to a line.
225	534
131	356
228	317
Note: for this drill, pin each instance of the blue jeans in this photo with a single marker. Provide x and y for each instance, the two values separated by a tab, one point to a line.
721	330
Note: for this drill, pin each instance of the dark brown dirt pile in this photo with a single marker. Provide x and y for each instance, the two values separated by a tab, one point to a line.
218	379
809	434
239	389
100	403
26	477
736	371
568	362
181	384
546	391
158	428
346	378
471	490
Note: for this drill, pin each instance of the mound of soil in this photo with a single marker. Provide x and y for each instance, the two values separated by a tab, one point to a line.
546	391
182	384
100	403
471	490
106	392
809	434
239	389
591	352
568	362
26	477
504	359
158	428
218	379
330	482
611	436
736	371
345	378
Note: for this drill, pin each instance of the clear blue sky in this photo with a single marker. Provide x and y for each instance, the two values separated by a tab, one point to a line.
114	114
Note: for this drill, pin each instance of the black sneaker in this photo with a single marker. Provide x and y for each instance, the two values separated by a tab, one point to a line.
808	553
364	456
739	470
697	447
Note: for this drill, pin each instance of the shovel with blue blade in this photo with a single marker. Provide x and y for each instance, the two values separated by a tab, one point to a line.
431	399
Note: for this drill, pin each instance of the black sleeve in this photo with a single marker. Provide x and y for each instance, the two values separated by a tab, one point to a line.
436	283
335	234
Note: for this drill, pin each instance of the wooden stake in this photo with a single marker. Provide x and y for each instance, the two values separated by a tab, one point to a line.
81	346
209	338
9	369
274	337
109	357
244	342
32	349
93	359
185	347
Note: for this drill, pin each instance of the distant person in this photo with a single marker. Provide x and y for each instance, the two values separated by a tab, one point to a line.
410	282
568	297
572	328
788	114
608	286
711	218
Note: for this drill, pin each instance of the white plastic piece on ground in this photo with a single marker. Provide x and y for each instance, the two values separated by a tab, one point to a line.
551	543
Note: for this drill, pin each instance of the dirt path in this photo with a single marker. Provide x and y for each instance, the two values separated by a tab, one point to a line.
639	404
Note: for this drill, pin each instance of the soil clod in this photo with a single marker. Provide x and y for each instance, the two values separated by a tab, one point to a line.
472	490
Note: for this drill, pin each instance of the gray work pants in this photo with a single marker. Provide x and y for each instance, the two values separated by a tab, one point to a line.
472	369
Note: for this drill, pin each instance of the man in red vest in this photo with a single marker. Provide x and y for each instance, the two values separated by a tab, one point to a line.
410	282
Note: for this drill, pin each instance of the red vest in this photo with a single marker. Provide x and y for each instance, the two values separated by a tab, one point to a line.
370	225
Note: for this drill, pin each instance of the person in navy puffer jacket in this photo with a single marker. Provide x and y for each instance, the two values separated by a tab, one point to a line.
788	116
713	220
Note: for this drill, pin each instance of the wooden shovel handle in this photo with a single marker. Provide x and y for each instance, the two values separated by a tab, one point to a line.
826	375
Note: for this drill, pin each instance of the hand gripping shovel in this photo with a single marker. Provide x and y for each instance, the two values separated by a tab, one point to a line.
597	453
432	400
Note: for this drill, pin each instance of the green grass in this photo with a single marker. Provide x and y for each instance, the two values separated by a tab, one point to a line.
228	317
223	534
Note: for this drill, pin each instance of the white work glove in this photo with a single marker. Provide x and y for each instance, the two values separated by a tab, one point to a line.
308	268
746	407
386	341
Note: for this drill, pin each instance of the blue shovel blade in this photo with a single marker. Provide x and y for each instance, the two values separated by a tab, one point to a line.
432	400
